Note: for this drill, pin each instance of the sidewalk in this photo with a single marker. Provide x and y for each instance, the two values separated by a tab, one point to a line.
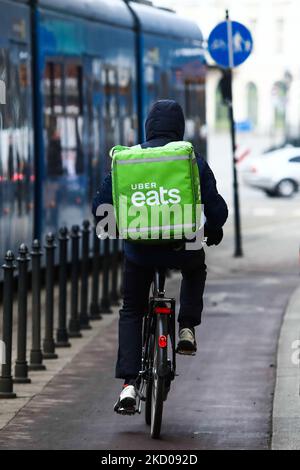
286	412
39	379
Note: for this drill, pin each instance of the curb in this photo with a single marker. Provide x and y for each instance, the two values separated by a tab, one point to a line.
286	408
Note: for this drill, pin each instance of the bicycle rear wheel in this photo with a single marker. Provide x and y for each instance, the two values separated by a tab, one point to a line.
148	403
160	364
148	394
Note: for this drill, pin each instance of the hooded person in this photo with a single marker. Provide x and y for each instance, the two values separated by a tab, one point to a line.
165	123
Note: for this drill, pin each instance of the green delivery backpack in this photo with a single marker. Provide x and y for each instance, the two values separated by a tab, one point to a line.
156	192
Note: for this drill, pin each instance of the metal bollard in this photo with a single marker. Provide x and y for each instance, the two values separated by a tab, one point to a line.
6	381
83	317
36	356
62	337
49	345
105	300
21	366
114	295
74	325
95	307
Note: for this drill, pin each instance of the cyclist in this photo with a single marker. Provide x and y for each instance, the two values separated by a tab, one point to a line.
165	123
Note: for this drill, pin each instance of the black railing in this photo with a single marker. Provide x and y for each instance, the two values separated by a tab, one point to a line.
81	297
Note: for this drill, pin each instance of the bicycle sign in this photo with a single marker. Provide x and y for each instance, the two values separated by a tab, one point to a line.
230	43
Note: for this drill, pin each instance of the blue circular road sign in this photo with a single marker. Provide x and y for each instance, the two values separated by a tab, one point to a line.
230	43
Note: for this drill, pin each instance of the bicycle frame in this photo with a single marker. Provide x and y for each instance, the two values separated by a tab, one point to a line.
158	305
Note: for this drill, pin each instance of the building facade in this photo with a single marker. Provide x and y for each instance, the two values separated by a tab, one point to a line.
267	86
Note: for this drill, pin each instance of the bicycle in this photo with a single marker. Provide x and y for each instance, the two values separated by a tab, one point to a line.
158	370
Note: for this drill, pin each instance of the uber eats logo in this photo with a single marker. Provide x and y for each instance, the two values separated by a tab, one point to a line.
151	195
150	210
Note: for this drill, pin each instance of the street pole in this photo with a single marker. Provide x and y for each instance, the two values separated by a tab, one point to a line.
238	250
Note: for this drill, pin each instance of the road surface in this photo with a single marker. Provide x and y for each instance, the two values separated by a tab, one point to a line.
223	397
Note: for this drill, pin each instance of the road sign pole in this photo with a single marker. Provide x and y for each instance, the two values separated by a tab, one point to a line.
238	250
230	43
229	36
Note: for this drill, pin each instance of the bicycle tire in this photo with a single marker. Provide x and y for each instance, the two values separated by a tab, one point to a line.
148	394
148	402
160	358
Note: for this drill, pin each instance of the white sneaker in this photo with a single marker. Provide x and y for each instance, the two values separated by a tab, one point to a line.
126	405
187	344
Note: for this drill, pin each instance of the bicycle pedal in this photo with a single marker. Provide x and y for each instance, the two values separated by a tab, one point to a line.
186	353
126	411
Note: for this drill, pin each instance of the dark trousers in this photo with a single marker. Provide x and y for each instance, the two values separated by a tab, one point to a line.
137	282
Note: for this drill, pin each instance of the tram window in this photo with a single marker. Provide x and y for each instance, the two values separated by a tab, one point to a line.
195	112
111	115
127	121
6	163
15	122
23	74
53	96
94	150
124	80
152	82
164	85
47	88
178	87
194	98
73	89
63	118
112	78
57	88
73	151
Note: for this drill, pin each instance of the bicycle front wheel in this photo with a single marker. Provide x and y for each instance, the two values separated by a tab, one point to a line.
160	363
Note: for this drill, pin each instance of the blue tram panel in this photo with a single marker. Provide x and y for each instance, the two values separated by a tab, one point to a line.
16	132
88	75
114	12
174	67
86	101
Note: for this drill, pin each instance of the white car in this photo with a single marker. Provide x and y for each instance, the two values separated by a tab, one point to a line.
276	172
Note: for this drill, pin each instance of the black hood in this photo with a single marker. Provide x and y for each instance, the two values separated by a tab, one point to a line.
165	120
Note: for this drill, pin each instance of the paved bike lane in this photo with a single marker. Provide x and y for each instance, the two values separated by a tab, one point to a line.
222	398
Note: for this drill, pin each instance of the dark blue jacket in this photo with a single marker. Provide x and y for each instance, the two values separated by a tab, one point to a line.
165	124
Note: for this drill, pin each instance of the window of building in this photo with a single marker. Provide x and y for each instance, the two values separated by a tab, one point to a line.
279	32
253	25
279	101
252	103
